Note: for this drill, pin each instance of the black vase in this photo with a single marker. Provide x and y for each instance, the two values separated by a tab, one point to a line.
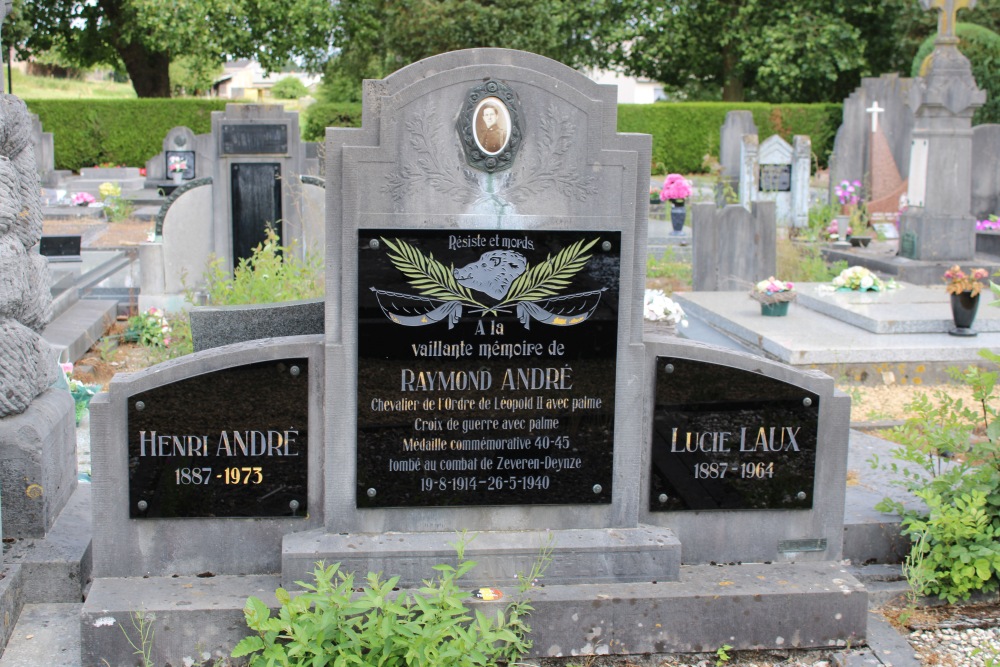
677	215
963	311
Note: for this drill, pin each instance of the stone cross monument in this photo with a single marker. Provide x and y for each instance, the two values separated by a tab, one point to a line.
939	224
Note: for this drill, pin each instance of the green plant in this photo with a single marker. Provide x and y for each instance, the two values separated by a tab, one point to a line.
333	623
150	329
289	88
804	263
271	274
670	267
722	655
950	458
142	622
107	348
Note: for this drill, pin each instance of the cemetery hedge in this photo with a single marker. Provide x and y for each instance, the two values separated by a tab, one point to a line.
131	131
125	131
685	132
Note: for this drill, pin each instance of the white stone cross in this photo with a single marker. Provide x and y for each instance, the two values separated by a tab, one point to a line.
875	110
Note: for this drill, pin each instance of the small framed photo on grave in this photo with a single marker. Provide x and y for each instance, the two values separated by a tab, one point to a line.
182	162
775	178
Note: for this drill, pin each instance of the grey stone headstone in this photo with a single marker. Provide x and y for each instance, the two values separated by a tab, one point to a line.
737	124
893	93
406	169
215	326
985	171
733	248
45	157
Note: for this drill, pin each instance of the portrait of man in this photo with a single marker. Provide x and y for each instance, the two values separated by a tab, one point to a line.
492	121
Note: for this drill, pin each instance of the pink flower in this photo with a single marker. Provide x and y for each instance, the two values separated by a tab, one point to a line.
675	186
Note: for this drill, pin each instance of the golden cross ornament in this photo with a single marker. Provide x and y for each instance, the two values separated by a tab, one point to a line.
948	11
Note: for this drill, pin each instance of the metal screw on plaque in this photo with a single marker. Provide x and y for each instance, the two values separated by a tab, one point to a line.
801	495
139	405
371	493
669	368
662	498
294	370
597	488
293	505
142	505
606	246
807	401
373	244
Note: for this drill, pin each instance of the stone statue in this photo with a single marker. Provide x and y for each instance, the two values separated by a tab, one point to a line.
27	363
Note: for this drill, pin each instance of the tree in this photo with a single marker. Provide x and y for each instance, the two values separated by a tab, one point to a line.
144	36
774	50
289	88
376	37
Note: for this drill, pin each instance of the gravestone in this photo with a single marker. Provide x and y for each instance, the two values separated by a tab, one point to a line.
737	125
250	172
852	146
733	248
985	171
45	155
482	368
779	172
938	224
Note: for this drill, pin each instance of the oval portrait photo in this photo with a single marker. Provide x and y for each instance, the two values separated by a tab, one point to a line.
492	125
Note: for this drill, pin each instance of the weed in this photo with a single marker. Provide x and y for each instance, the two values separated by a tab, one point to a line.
722	655
107	349
955	549
337	623
804	263
669	268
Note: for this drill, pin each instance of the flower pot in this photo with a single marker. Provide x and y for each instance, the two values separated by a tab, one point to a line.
677	216
177	177
963	312
779	309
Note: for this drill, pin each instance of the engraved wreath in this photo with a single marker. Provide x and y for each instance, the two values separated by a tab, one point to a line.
503	275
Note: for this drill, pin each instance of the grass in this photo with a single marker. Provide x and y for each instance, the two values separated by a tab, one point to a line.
50	88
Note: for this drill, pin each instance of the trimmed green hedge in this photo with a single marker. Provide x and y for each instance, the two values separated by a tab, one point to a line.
131	131
126	131
322	115
685	132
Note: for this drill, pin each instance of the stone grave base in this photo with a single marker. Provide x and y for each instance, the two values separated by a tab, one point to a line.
807	605
57	567
11	599
586	556
37	464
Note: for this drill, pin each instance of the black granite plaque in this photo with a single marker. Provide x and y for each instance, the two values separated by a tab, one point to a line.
486	367
255	139
232	443
256	198
730	439
59	246
775	178
181	157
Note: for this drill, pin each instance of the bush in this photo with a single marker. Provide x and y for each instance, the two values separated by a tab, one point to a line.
126	131
322	115
273	273
684	132
982	47
952	456
289	88
335	623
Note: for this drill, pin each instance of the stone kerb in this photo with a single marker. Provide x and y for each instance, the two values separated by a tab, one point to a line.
573	172
772	535
134	547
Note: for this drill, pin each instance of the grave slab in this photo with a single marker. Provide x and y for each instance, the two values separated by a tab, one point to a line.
815	605
907	309
579	556
806	338
46	634
11	599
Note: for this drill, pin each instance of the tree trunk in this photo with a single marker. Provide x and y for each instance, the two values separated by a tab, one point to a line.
732	82
149	71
